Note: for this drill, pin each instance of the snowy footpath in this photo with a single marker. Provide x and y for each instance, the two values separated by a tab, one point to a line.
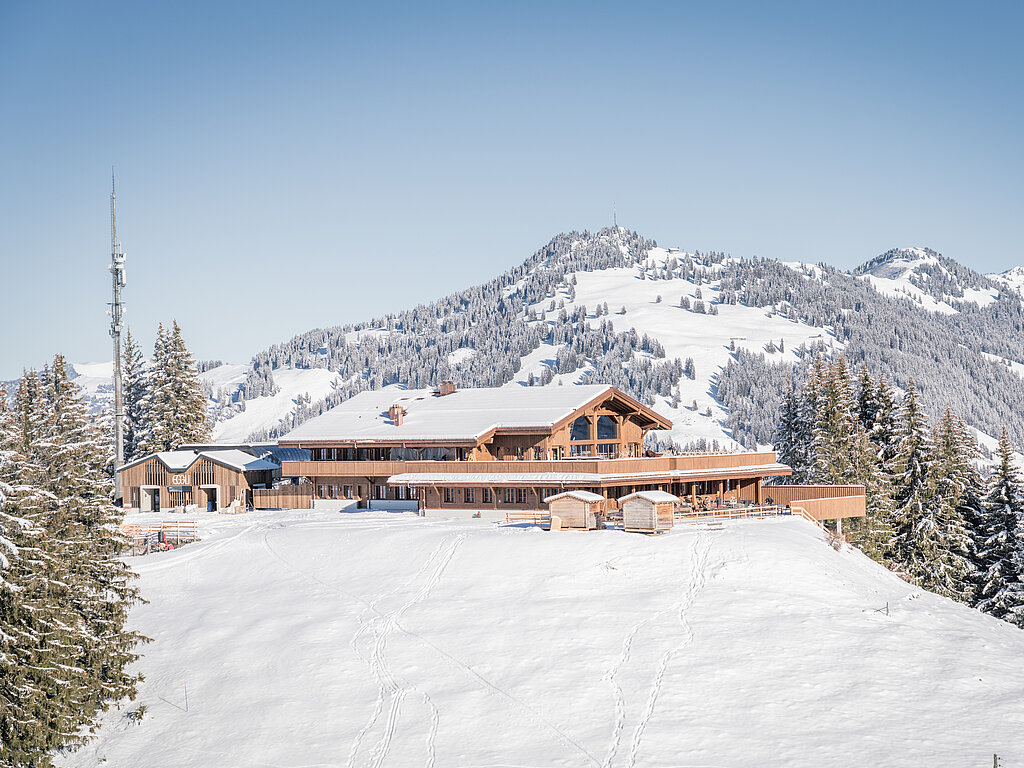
312	639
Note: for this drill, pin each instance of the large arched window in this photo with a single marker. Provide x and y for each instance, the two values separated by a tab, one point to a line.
607	429
580	429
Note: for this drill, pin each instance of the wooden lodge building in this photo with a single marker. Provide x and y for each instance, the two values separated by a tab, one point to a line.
499	450
209	478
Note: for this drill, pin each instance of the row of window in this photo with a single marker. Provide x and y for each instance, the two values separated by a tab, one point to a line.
380	492
468	495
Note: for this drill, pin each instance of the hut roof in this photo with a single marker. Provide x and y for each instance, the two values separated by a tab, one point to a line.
581	495
652	496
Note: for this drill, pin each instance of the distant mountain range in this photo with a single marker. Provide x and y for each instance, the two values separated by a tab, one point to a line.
705	338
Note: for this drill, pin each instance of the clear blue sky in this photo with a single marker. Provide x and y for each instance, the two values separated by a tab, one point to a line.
284	166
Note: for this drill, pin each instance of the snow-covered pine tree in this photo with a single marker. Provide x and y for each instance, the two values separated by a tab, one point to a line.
178	410
884	430
956	500
867	398
787	435
68	648
159	410
873	532
833	429
1002	581
136	398
916	543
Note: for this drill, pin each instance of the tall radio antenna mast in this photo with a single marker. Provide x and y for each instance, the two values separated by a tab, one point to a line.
116	314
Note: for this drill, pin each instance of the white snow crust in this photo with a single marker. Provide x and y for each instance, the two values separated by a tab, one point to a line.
383	639
266	412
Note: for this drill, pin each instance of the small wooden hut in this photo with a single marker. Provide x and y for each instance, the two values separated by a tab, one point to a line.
576	509
648	511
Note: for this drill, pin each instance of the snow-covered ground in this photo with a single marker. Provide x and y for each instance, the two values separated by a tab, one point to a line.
684	333
266	412
892	278
376	639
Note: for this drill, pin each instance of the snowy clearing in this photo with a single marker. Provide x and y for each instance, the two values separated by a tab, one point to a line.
376	639
684	333
267	412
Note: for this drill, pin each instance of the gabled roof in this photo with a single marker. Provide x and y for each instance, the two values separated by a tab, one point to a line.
180	461
465	416
656	497
581	495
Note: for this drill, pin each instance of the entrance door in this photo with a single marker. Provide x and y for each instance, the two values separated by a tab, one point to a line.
211	499
150	501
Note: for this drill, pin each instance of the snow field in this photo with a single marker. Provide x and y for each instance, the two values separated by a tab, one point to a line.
683	333
376	639
267	412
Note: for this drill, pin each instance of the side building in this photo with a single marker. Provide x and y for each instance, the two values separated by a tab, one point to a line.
204	477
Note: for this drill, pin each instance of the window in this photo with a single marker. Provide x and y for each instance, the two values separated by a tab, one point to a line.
520	495
536	453
558	452
322	492
580	429
334	491
349	492
607	429
607	450
401	493
508	496
380	491
467	495
449	496
519	452
488	496
579	450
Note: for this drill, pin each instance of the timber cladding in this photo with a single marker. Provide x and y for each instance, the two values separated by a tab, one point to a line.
150	485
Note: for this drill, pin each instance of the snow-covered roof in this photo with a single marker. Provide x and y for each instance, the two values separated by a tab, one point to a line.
179	461
656	497
465	415
581	495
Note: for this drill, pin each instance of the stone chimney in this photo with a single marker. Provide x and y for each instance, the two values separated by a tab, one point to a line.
447	387
396	413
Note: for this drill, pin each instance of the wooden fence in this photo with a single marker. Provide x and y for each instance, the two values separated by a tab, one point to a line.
285	497
145	536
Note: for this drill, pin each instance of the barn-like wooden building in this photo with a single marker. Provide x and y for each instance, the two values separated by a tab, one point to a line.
209	478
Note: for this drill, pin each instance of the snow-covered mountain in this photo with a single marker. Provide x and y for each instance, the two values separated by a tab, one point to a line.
316	639
706	339
1011	278
933	281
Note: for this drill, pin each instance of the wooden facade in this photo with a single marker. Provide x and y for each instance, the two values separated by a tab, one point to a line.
648	512
576	509
153	485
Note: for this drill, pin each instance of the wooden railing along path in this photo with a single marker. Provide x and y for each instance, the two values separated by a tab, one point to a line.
176	532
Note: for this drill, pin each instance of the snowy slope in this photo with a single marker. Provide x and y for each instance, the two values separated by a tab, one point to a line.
96	381
375	639
266	412
684	333
890	274
1011	278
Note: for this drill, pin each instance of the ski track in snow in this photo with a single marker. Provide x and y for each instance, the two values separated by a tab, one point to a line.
510	698
698	569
